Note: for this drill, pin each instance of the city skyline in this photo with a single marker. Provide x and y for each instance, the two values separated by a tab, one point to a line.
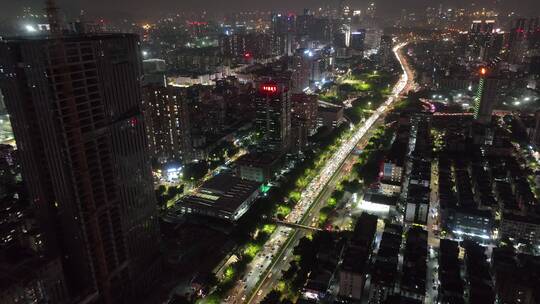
151	10
262	153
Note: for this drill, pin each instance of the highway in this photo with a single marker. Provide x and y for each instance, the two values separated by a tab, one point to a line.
261	273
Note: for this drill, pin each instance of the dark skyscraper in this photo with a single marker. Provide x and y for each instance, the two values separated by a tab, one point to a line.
482	26
483	41
523	32
358	39
385	51
283	28
75	106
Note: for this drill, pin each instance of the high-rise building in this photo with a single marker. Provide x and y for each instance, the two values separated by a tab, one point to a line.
304	23
432	15
486	96
305	107
27	274
372	39
533	36
492	47
519	37
246	45
482	39
154	72
166	114
306	69
75	105
320	30
283	28
358	39
385	50
304	120
2	105
482	26
273	117
371	10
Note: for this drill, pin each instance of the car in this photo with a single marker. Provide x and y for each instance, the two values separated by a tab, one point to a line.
259	293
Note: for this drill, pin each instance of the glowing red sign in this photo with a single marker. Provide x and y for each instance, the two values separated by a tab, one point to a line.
247	55
196	23
269	88
483	71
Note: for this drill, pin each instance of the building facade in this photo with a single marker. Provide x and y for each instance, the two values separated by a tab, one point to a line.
166	113
486	97
75	105
273	117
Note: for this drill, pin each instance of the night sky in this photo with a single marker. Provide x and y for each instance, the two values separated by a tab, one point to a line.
148	9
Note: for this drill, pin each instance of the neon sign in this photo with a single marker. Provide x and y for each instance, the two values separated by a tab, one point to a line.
269	88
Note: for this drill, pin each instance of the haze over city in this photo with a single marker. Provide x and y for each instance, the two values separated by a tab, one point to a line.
145	9
273	152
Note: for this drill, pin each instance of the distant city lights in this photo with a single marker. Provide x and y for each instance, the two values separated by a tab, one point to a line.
30	28
174	174
308	52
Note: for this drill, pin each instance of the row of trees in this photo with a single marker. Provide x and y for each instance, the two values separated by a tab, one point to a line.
305	261
255	227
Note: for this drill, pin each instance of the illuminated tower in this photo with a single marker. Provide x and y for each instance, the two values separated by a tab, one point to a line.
486	97
273	117
167	121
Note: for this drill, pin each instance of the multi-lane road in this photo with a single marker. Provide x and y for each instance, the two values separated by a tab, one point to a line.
262	272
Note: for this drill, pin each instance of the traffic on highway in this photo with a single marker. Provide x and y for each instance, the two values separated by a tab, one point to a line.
248	288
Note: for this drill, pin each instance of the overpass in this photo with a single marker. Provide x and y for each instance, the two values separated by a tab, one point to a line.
296	226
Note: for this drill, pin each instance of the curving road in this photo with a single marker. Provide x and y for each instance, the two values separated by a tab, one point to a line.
257	280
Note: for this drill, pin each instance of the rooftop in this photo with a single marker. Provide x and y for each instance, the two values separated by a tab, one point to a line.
258	159
223	194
